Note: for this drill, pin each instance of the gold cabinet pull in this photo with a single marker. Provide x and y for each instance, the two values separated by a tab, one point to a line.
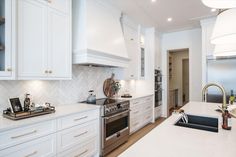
29	133
81	118
82	153
46	71
50	71
81	134
31	154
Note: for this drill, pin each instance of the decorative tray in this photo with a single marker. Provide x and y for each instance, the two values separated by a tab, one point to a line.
23	115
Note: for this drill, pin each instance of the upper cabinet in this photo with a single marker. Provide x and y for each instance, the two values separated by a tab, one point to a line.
7	51
207	29
132	44
44	39
135	44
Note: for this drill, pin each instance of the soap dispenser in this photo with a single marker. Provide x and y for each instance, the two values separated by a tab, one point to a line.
27	103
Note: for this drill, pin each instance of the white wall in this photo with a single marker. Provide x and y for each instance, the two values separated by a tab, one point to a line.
190	39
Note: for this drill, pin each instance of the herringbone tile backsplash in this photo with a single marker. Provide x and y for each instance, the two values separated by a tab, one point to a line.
58	92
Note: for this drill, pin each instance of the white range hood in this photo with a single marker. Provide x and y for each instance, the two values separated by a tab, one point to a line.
97	34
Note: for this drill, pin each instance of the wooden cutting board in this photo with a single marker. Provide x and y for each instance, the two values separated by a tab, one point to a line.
107	86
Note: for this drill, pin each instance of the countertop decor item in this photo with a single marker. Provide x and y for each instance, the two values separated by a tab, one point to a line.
108	86
28	114
91	98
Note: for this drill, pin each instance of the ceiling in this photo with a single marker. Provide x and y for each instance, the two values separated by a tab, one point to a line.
186	14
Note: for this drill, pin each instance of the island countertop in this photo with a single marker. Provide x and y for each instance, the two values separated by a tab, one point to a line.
168	140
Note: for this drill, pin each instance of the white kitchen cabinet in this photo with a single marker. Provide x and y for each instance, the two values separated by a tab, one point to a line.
59	44
7	51
207	30
141	113
133	49
75	134
45	146
44	44
135	44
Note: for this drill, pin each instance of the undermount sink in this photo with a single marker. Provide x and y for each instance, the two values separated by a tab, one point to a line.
199	122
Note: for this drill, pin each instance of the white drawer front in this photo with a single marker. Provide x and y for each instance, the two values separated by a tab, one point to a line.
76	135
76	119
147	106
135	112
23	134
147	117
135	124
89	149
135	102
148	99
42	147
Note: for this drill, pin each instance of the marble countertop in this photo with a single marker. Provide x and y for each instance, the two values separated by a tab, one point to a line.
63	110
168	140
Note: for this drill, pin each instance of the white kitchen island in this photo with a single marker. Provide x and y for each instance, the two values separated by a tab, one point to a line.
168	140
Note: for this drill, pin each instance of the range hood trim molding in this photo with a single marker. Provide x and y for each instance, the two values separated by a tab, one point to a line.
89	56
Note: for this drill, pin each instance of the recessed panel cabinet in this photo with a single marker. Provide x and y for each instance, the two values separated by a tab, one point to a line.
44	44
7	53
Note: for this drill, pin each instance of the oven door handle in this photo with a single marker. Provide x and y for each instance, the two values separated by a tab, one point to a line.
107	118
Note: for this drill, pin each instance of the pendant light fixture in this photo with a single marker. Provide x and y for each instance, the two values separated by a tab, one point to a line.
220	4
224	31
225	50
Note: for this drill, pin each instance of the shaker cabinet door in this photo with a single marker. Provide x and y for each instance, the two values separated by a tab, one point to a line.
32	39
59	45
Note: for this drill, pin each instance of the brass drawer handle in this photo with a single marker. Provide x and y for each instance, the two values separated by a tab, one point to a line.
31	154
50	71
81	134
136	112
46	71
136	124
82	153
81	118
29	133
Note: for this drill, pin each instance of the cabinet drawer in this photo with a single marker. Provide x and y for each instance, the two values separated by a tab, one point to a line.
147	117
148	99
135	124
76	135
135	102
76	119
45	146
135	112
86	150
23	134
147	106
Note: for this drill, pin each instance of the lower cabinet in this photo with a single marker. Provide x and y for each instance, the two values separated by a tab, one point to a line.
79	138
45	146
141	113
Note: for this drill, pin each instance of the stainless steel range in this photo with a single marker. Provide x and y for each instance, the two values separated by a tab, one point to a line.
114	122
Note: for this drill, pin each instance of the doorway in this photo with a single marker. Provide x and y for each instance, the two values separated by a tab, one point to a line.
178	82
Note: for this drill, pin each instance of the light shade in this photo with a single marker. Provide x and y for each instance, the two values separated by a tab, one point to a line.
220	4
225	50
224	31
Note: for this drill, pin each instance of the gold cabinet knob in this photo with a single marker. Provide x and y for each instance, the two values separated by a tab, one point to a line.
50	71
46	71
9	69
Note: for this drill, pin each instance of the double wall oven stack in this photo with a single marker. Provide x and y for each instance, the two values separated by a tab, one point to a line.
115	127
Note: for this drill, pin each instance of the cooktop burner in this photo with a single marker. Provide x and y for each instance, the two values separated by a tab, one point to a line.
104	101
